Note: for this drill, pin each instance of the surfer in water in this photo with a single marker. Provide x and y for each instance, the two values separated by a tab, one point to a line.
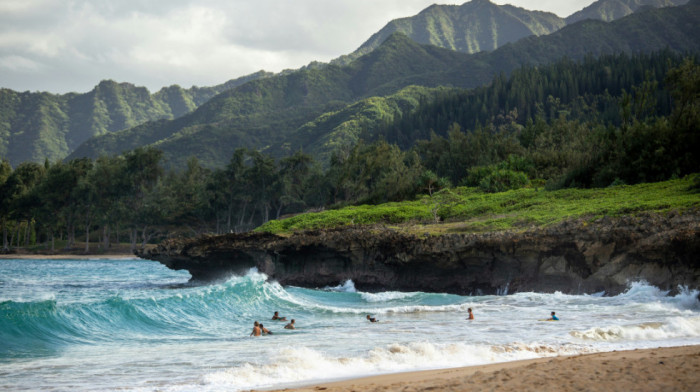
256	329
554	317
290	325
277	317
471	315
264	330
371	319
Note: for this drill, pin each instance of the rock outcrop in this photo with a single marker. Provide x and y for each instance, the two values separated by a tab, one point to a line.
578	256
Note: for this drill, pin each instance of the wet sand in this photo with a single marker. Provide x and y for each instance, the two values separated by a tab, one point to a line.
660	369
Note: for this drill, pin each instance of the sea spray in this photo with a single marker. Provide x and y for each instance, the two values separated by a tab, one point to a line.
346	287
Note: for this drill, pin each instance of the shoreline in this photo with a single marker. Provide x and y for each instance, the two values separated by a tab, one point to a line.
65	256
665	368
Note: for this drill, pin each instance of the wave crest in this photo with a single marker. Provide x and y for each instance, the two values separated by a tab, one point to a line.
677	327
295	365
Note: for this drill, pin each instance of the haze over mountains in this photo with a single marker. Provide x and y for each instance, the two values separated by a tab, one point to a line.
319	109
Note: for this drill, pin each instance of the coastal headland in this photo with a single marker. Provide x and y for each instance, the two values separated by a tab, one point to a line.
574	256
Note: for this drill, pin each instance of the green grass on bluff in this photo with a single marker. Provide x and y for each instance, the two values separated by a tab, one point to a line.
463	210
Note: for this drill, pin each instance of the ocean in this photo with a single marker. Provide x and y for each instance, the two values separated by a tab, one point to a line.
134	325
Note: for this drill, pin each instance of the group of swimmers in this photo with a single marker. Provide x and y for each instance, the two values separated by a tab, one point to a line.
260	330
470	316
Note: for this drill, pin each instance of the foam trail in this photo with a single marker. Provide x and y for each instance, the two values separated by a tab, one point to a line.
294	365
387	296
677	327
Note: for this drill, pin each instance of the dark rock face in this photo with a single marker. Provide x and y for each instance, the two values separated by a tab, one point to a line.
572	257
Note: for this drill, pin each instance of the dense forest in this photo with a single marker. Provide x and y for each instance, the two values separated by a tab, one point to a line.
593	123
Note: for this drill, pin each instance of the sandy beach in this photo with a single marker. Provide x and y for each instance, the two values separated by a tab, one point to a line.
659	369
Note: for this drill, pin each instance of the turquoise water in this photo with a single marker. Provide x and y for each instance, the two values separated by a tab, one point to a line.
134	325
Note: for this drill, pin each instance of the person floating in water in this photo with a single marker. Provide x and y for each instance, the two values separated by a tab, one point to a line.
264	330
256	329
554	317
371	319
290	325
471	315
277	317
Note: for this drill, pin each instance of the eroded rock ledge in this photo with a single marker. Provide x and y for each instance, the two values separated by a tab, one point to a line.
576	256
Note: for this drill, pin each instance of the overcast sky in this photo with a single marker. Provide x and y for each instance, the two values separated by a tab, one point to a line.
70	45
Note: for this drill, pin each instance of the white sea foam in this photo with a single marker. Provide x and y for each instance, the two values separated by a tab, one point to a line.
346	287
687	299
371	308
386	296
29	298
294	365
256	275
677	327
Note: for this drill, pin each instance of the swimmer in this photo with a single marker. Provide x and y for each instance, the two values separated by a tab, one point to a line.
471	315
256	329
554	317
290	325
277	317
264	330
372	319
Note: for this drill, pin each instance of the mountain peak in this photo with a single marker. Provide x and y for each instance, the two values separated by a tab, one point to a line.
475	26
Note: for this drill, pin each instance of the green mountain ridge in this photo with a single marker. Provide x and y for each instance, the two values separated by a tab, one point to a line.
609	10
39	126
277	114
263	113
475	26
342	129
480	25
35	126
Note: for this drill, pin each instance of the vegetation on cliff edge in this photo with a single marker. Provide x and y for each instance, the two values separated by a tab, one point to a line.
466	209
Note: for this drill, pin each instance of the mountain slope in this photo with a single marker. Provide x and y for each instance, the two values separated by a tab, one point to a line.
675	28
342	129
38	126
264	113
279	113
475	26
609	10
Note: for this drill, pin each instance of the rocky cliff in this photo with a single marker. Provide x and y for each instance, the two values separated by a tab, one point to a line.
578	256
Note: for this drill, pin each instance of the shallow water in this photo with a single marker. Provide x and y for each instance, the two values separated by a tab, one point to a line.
134	325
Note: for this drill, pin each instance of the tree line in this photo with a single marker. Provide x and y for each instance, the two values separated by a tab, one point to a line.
617	119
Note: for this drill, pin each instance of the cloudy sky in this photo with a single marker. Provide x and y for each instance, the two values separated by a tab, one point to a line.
70	45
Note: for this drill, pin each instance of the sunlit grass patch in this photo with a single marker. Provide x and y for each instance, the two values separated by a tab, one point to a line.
462	210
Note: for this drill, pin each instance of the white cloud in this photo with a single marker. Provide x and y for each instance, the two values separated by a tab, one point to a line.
20	7
14	63
61	45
